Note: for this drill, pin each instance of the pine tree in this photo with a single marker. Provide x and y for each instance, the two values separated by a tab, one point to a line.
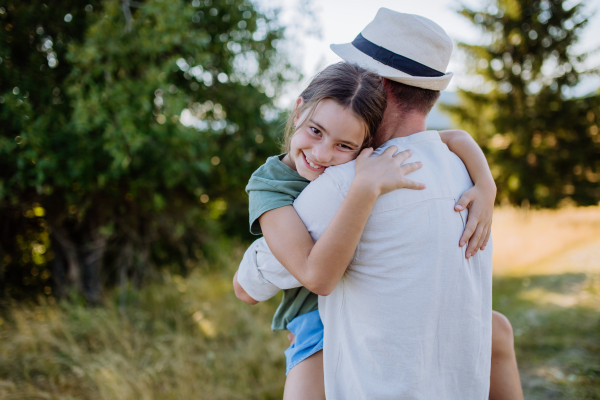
543	144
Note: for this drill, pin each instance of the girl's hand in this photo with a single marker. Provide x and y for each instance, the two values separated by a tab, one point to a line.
480	202
385	173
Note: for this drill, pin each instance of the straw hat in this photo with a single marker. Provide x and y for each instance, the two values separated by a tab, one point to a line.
401	47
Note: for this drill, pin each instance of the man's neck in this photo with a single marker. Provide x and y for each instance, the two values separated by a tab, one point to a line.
396	124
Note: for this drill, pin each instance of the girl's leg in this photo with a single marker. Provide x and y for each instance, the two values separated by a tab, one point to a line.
305	381
505	383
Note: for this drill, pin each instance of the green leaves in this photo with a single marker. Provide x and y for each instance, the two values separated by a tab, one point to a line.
126	123
536	134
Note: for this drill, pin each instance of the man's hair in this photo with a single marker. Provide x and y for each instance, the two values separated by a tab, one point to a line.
410	98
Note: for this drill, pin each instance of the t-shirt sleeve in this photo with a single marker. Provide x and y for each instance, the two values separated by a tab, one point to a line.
318	204
261	275
263	200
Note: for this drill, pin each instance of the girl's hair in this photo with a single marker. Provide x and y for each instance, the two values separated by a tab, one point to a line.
352	87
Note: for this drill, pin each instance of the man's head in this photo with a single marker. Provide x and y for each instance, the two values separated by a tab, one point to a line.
408	99
404	48
412	53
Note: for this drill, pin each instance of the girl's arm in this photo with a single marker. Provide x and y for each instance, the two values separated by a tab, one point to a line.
479	199
260	275
240	293
319	266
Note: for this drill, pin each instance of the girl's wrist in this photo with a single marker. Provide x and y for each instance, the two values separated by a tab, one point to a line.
487	185
366	186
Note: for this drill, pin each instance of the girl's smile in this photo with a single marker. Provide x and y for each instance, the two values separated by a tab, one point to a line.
332	135
312	165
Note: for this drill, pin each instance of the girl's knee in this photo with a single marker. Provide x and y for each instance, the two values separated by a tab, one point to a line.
502	335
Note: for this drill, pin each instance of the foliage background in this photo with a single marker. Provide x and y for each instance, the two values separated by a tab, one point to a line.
100	180
128	130
542	143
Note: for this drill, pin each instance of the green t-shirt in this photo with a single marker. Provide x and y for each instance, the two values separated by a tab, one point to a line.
271	186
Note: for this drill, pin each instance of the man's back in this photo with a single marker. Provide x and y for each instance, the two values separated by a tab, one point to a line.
411	318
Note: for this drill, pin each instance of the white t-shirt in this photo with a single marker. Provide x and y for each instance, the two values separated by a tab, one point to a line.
411	317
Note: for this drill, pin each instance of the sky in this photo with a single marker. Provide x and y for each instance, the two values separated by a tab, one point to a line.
341	20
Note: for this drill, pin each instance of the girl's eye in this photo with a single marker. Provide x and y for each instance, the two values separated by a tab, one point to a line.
346	147
316	131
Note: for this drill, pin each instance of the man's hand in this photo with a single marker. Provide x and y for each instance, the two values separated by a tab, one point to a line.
480	202
240	293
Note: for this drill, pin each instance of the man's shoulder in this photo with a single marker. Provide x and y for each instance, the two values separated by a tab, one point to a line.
335	181
319	202
331	186
341	175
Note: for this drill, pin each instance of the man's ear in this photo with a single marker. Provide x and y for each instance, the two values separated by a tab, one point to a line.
385	82
299	103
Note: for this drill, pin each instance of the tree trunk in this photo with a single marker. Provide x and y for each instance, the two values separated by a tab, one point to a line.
92	261
69	250
58	267
124	264
141	265
2	270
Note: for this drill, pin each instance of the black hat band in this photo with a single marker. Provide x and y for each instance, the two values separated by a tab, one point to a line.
396	61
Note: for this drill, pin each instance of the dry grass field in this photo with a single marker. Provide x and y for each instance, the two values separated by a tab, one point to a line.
191	339
547	281
180	339
546	241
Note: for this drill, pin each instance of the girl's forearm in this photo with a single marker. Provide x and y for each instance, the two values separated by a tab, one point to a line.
332	253
465	147
319	266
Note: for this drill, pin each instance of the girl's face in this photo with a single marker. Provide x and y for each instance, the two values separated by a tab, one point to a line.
332	136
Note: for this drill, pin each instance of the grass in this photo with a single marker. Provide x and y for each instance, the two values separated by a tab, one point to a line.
547	282
527	241
556	323
191	339
183	339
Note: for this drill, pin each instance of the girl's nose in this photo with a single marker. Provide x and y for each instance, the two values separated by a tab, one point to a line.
322	154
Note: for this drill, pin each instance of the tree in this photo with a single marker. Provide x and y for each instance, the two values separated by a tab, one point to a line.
543	143
129	130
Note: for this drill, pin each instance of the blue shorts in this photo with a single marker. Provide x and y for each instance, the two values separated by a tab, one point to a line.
308	330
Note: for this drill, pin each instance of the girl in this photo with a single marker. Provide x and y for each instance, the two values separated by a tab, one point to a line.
336	116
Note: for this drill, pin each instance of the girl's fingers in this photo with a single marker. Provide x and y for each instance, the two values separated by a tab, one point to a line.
464	201
472	247
484	238
389	151
410	167
481	239
487	238
469	229
402	156
366	152
409	184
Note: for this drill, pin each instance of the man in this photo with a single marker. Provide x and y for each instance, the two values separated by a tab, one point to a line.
411	317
